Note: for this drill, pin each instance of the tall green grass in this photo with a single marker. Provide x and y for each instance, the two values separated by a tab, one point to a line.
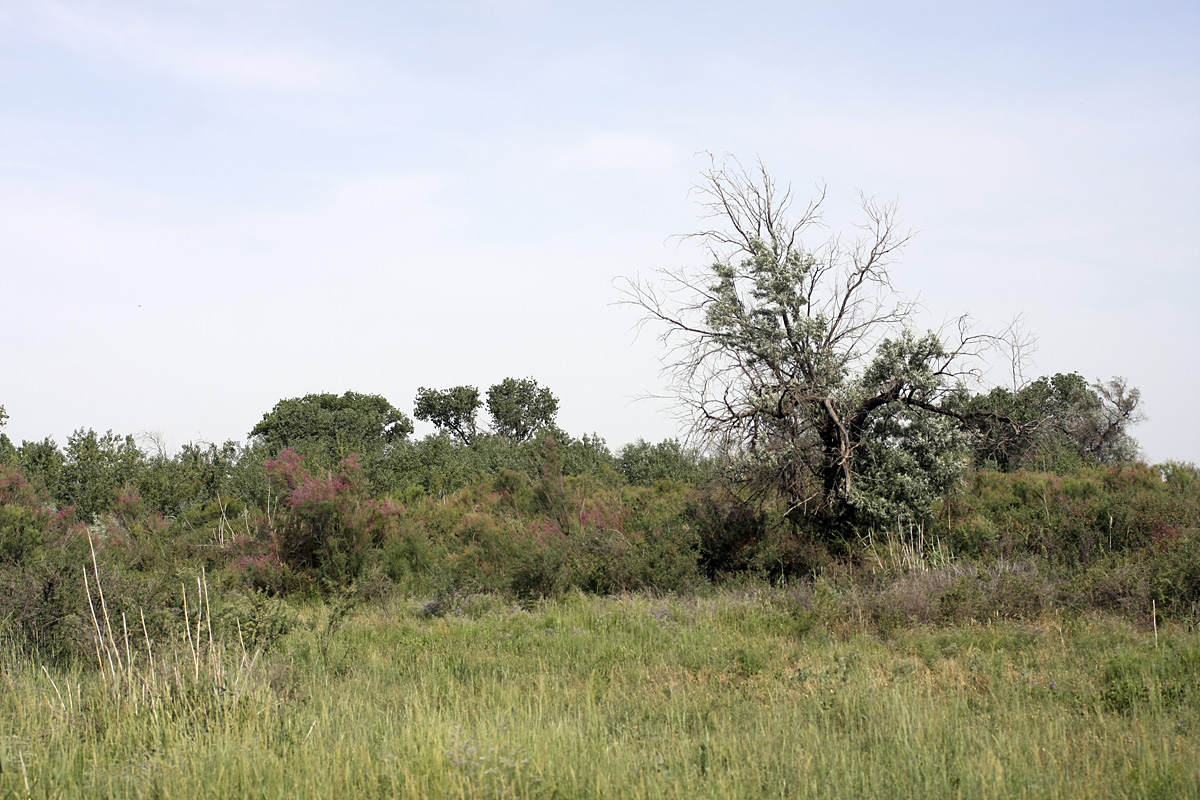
739	693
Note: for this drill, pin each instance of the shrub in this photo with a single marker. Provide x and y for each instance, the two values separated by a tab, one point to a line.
327	523
728	532
608	561
255	620
1076	519
407	555
540	572
1166	681
644	464
25	517
44	608
1173	567
1164	575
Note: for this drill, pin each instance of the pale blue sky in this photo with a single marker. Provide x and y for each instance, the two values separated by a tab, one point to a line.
208	206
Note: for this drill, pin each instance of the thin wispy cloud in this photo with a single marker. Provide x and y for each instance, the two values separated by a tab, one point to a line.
205	57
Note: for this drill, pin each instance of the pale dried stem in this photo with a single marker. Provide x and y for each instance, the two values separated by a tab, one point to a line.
103	605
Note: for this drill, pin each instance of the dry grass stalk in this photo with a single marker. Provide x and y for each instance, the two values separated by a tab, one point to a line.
24	773
911	553
152	686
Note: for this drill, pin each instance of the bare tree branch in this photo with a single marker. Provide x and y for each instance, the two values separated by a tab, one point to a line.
787	355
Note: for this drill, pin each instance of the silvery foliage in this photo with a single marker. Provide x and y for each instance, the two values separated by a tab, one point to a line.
801	366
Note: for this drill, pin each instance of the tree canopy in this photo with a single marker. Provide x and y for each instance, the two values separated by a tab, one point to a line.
519	407
8	452
1055	421
643	463
95	469
452	410
333	427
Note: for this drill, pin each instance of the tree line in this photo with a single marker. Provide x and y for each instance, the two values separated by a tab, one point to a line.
1058	423
92	471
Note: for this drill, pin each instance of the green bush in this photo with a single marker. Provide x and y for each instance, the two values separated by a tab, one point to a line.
1136	680
45	609
1173	572
256	620
1071	520
1164	576
24	517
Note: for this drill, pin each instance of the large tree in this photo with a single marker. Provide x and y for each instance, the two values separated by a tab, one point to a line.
331	428
519	408
451	410
802	362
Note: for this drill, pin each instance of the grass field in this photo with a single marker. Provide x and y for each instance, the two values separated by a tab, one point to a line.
737	693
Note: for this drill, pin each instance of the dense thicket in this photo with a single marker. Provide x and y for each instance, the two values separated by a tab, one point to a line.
298	508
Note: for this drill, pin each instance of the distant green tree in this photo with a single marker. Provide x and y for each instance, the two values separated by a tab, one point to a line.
452	410
329	428
42	463
588	455
438	465
246	475
96	468
198	474
643	463
1055	423
8	453
519	407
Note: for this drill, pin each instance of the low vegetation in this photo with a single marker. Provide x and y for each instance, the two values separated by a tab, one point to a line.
804	691
503	618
